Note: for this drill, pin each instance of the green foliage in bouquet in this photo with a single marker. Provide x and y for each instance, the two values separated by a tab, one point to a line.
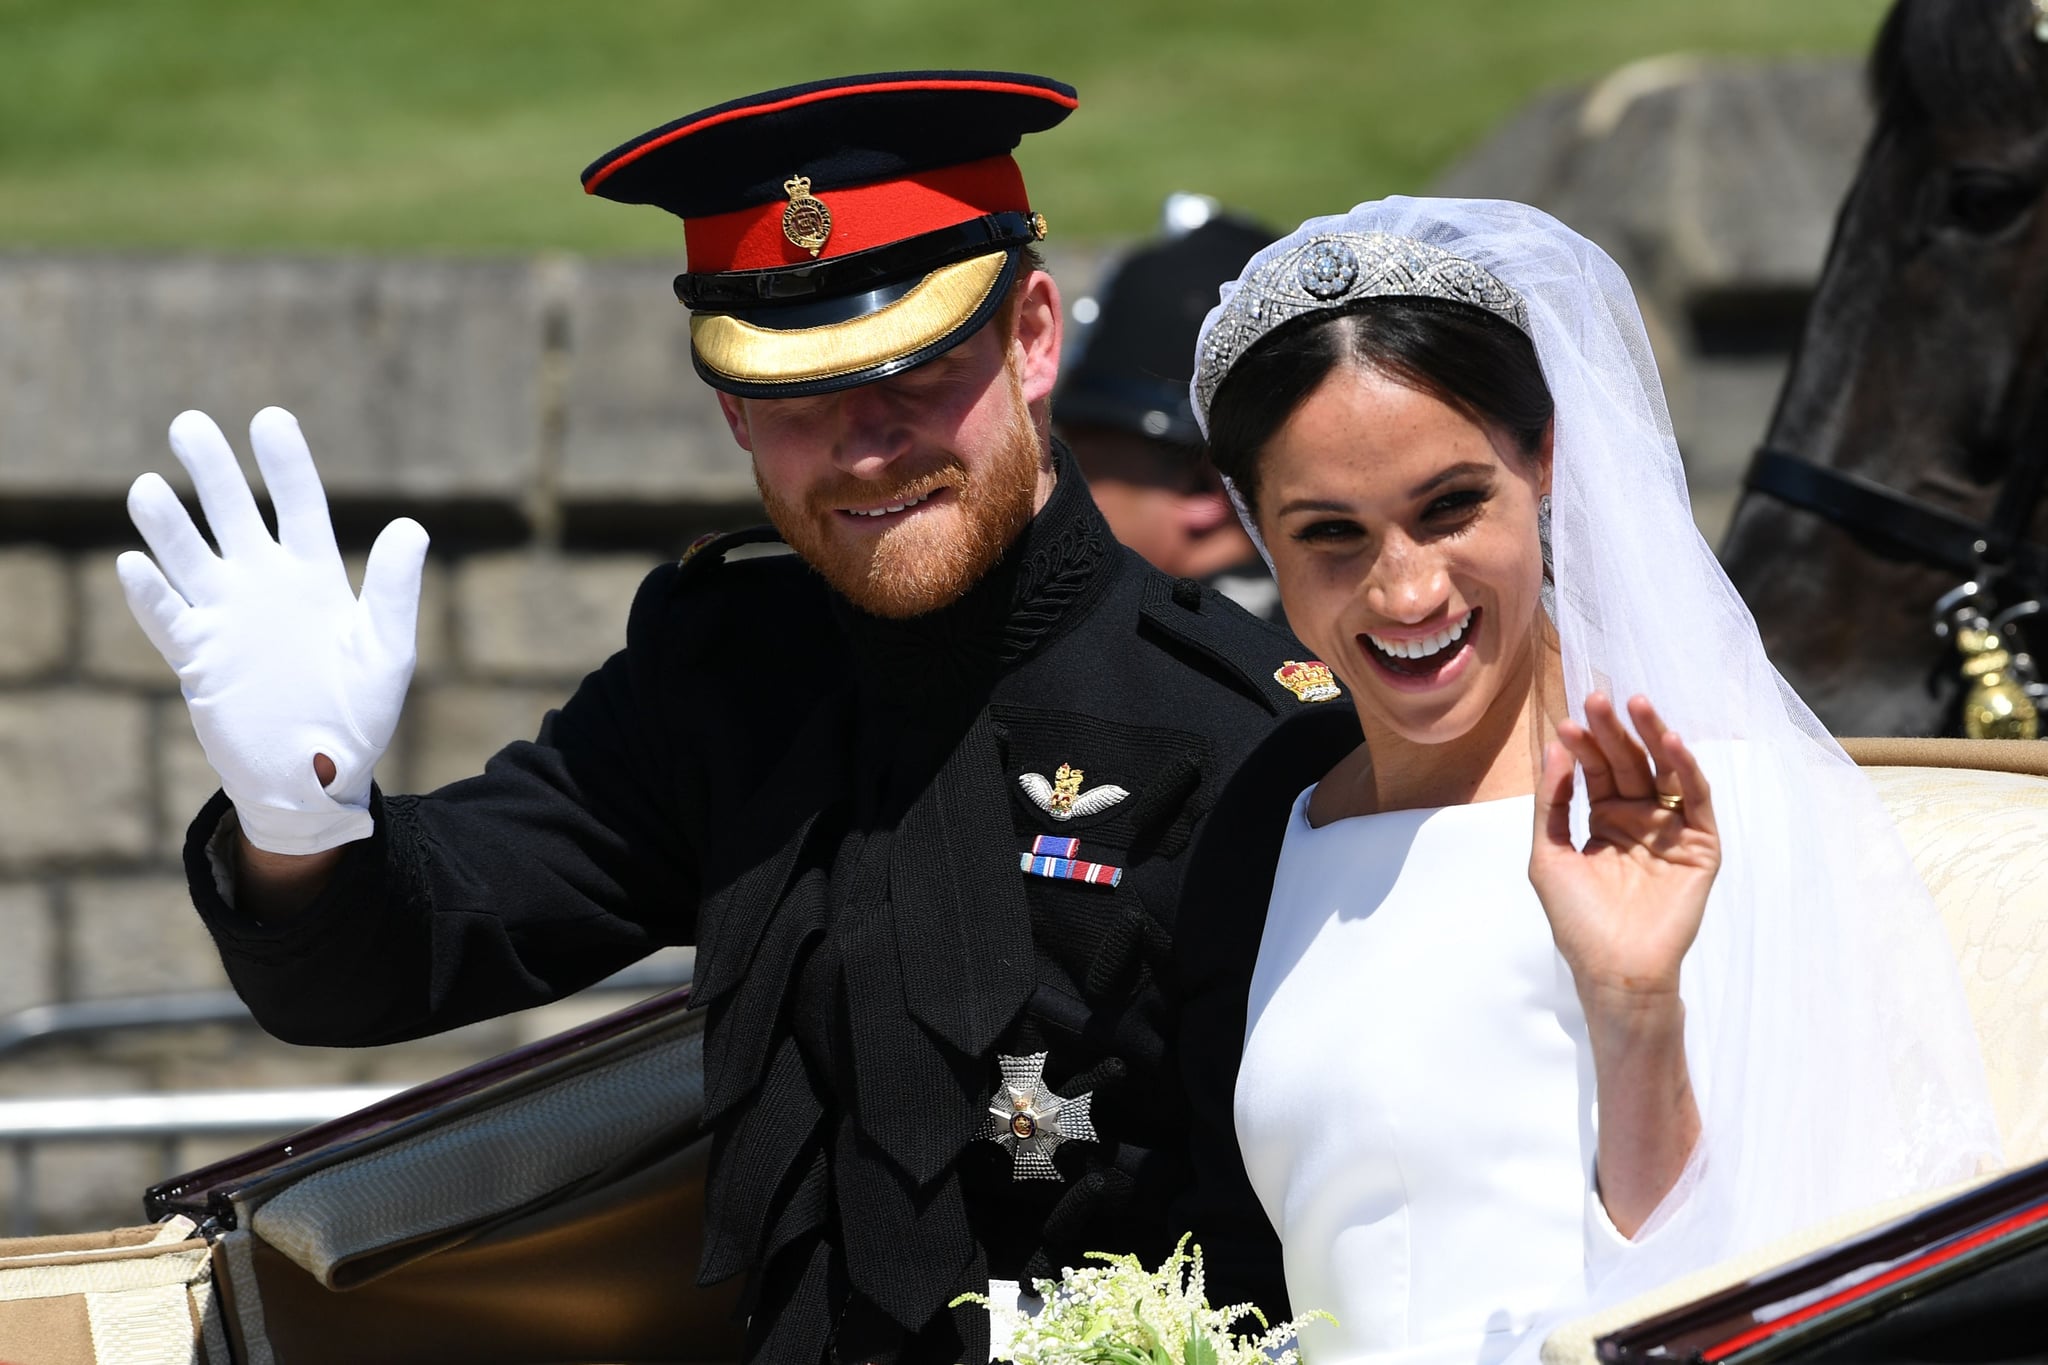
1120	1313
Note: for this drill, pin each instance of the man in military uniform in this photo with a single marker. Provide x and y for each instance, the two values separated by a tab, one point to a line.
921	792
1123	407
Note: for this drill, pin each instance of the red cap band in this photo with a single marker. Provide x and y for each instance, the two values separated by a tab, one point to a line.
863	216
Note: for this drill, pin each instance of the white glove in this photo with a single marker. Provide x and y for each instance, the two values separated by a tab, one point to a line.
279	659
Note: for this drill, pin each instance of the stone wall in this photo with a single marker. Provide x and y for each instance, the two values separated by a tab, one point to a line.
99	773
538	416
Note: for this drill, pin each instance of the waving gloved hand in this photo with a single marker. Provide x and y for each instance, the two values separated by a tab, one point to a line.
279	659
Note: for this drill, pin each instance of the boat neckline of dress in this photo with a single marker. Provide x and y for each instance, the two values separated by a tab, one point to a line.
1423	812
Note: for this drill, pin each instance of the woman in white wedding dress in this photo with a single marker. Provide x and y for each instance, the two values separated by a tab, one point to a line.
1549	1005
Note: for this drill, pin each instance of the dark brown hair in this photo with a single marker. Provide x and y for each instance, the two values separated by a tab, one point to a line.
1459	354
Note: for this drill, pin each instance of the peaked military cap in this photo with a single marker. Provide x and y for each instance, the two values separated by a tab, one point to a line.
1134	363
844	230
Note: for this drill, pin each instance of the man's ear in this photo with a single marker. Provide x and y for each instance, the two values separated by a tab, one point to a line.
1037	335
735	410
1203	513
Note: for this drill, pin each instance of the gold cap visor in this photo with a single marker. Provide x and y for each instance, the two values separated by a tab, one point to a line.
743	357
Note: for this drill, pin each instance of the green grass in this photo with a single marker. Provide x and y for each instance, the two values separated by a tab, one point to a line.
461	126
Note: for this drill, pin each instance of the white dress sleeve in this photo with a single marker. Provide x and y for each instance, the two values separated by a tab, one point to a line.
1604	1242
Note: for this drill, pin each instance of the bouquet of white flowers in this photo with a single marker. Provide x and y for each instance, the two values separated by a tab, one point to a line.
1120	1313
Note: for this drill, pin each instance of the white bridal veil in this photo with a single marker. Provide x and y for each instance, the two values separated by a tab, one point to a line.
1830	1048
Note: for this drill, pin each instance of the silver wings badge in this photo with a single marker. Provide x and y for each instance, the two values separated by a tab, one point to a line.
1062	797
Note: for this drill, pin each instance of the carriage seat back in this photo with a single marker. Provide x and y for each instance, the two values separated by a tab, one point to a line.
1979	839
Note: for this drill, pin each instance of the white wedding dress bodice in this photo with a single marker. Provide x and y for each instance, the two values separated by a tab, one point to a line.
1415	1104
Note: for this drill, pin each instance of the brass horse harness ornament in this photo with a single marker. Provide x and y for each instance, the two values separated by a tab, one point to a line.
2003	692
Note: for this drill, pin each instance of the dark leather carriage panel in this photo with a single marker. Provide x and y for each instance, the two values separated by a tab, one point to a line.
609	1276
542	1208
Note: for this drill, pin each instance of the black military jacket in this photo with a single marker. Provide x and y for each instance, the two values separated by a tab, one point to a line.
1217	931
837	811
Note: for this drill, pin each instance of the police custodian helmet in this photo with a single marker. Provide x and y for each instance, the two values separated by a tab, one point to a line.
845	230
1132	371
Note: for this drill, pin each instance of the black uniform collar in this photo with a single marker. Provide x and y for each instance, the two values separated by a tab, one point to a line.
1042	583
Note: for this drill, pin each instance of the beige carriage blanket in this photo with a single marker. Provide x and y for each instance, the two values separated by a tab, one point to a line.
133	1296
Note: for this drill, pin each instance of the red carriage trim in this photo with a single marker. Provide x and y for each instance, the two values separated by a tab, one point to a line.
1904	1270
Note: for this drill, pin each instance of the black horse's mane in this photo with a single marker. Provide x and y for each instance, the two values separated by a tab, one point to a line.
1944	60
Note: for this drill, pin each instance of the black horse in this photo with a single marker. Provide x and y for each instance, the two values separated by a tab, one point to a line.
1919	389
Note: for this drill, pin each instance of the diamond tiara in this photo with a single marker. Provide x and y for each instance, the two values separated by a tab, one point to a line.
1334	269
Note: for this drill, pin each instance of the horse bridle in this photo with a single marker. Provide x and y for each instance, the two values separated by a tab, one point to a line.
1980	549
1992	554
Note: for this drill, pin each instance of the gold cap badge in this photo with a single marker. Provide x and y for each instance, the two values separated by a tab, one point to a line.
1308	680
806	222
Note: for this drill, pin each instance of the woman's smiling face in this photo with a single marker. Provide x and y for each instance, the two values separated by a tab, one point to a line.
1403	535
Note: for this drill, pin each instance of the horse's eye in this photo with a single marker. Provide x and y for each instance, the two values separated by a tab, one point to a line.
1984	202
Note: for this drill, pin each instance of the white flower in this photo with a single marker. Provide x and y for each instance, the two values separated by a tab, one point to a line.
1120	1313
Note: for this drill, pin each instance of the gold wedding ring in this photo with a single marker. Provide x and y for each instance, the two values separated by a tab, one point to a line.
1671	800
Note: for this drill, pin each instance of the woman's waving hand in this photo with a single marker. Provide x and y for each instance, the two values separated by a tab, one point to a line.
1623	910
1626	906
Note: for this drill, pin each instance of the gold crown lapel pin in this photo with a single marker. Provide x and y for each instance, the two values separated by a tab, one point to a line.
1308	679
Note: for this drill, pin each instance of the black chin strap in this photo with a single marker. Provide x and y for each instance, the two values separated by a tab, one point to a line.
1941	537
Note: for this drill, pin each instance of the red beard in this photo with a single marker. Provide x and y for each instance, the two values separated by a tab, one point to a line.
930	559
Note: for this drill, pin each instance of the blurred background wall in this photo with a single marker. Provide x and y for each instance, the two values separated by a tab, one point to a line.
368	213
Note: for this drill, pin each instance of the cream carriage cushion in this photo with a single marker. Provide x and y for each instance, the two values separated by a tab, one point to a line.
1980	842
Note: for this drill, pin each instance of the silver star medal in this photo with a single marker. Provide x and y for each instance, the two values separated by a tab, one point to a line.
1028	1119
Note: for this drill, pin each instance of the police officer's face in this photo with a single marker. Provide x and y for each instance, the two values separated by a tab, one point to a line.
1163	500
1404	539
903	492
